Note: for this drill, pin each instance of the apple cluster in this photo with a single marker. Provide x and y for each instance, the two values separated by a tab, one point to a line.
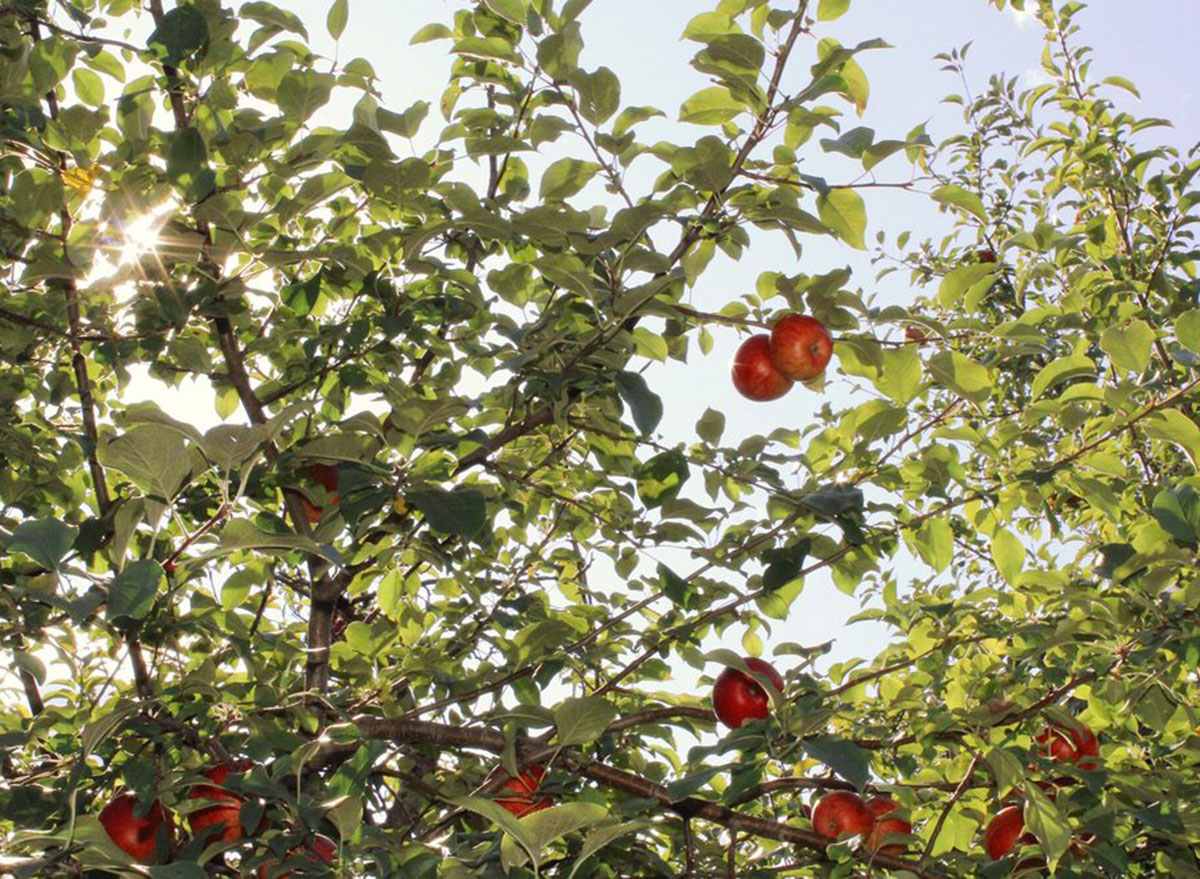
797	350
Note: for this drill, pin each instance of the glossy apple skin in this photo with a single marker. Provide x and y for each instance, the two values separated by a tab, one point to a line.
137	837
800	347
326	476
1004	830
883	827
522	788
754	375
842	813
226	811
1065	744
322	850
737	697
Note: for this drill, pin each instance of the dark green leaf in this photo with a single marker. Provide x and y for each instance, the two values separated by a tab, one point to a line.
183	30
133	591
845	758
462	511
46	541
646	406
661	478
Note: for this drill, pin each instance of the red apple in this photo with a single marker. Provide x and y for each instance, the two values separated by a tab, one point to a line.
800	347
754	375
137	836
326	476
738	697
226	811
521	800
321	850
1070	744
840	813
883	827
1004	830
988	256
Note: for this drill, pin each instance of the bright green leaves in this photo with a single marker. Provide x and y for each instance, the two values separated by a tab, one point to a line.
335	21
566	177
187	165
660	479
46	541
961	199
961	374
153	456
302	93
934	542
133	592
900	374
1008	553
645	405
1129	346
1177	511
599	94
711	106
183	32
831	10
1047	823
843	211
1064	369
535	832
462	511
1187	330
967	285
581	721
512	10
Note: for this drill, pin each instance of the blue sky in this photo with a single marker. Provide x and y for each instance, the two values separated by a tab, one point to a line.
639	40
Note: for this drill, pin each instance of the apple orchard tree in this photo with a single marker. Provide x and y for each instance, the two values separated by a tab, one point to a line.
407	597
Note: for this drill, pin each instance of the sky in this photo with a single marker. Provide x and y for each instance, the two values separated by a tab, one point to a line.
639	40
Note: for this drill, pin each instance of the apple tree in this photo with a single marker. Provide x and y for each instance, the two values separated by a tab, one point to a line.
412	608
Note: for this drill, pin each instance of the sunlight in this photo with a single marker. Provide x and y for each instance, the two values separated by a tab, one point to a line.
140	236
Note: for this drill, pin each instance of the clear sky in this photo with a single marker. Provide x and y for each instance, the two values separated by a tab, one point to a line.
1150	42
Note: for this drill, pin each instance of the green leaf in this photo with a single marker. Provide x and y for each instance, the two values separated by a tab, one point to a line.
1123	83
956	284
274	16
784	564
661	478
711	426
1008	553
845	758
831	10
1129	346
133	591
599	94
566	177
1062	370
934	542
177	871
599	838
302	93
513	10
961	375
646	406
711	106
567	270
682	592
1187	330
241	534
153	456
46	541
1047	823
182	31
335	21
843	211
545	827
429	33
1007	769
834	500
1176	512
900	374
462	511
1175	427
956	196
88	86
581	721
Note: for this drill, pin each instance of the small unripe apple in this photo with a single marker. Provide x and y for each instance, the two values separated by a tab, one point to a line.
137	836
879	807
738	697
754	375
800	347
1070	744
1004	830
519	793
841	813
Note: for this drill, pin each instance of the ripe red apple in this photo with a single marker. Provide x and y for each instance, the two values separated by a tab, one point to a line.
326	476
738	697
840	813
879	807
986	256
1004	830
1069	744
754	375
521	800
227	810
800	347
138	836
321	850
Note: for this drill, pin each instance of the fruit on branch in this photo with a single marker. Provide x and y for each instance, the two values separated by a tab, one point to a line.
800	347
754	375
1070	744
138	836
840	813
226	811
519	793
988	256
321	850
883	826
738	697
1004	830
326	476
